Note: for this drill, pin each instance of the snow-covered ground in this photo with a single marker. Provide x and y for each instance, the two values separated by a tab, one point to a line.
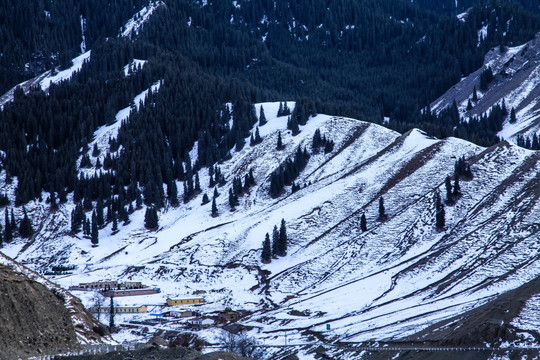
391	281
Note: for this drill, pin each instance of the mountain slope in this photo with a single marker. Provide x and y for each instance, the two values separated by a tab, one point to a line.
391	281
516	73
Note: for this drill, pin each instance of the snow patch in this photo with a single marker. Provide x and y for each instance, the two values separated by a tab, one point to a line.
133	25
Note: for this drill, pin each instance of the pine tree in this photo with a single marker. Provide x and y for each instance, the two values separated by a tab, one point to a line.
282	248
474	94
1	237
100	219
13	222
94	231
266	254
205	199
151	220
86	227
114	223
457	190
275	241
513	116
449	194
8	232
197	182
112	312
214	208
280	110
363	222
262	118
172	192
292	124
25	227
216	193
469	105
439	212
279	141
286	110
258	138
233	199
382	213
317	140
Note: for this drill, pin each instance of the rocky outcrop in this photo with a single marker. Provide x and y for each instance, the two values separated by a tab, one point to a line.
40	318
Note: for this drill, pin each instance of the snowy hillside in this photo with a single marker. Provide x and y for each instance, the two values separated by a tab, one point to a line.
391	281
516	81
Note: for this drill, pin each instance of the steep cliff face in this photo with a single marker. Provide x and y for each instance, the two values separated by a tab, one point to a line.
39	319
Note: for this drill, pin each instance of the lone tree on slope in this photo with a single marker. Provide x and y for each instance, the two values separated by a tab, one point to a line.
439	212
382	213
363	222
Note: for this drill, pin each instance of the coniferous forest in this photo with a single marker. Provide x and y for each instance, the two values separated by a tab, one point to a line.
366	59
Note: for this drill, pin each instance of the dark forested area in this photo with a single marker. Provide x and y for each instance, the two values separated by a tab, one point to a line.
360	58
36	35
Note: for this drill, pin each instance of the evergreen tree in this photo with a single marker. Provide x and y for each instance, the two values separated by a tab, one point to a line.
100	219
292	124
439	212
279	142
457	190
205	199
112	313
25	227
114	223
363	222
282	248
197	182
449	194
258	138
172	192
513	116
469	105
382	212
317	140
233	199
1	237
216	193
151	220
13	222
94	231
474	94
214	208
262	118
275	241
86	227
328	146
95	151
266	254
8	232
286	110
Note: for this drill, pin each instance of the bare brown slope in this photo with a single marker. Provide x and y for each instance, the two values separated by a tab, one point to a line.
35	320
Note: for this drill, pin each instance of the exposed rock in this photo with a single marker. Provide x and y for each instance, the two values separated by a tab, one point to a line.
38	318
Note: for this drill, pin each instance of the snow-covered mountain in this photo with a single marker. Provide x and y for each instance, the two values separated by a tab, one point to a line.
336	282
516	81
